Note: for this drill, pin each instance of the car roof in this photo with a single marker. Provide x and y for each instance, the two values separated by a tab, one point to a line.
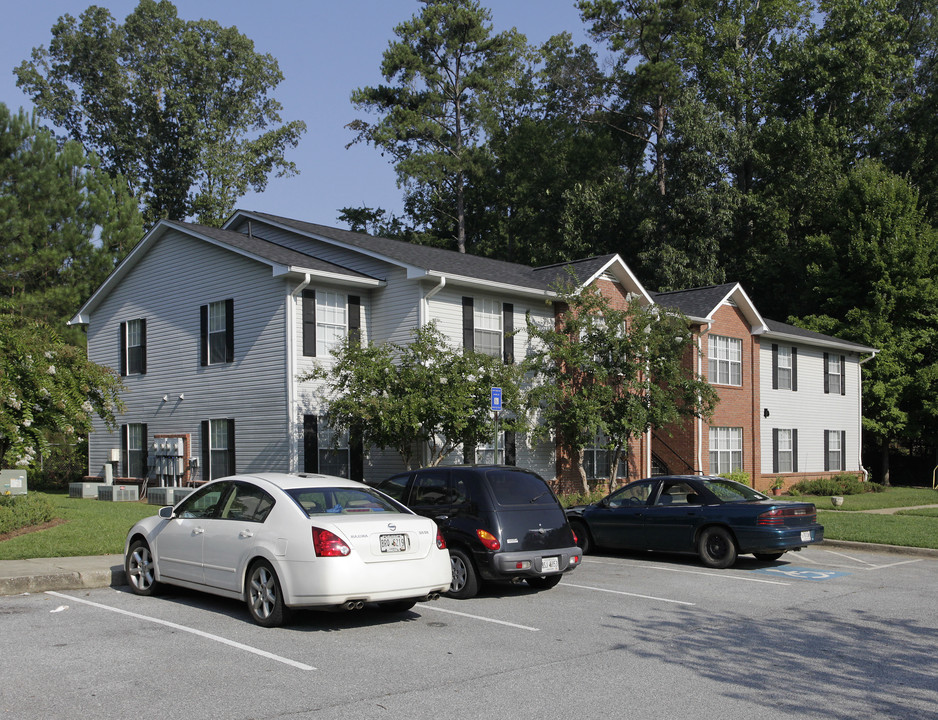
289	481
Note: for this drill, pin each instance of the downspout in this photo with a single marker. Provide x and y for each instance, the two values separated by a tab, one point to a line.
699	420
866	473
425	305
291	370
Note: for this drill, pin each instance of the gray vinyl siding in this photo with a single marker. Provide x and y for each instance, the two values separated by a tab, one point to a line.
167	287
809	409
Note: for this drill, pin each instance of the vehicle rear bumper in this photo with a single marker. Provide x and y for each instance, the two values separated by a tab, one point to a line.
506	565
769	539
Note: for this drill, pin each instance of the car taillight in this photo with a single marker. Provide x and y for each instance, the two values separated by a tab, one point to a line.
328	544
576	540
489	540
440	541
777	516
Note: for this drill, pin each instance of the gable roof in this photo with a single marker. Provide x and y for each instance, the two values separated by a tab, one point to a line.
282	260
700	304
424	260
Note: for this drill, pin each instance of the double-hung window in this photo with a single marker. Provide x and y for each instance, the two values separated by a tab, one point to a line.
133	360
597	460
834	372
834	442
726	450
134	446
488	327
784	450
217	331
725	356
784	368
331	323
218	448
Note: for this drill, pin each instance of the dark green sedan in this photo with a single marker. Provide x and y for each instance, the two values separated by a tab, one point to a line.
711	517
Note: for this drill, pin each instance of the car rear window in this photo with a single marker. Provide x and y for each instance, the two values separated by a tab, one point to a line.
333	501
729	491
512	487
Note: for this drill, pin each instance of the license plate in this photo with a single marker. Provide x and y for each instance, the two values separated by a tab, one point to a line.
550	564
393	543
806	536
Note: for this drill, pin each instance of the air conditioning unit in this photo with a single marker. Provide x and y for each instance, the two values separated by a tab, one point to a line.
119	493
12	482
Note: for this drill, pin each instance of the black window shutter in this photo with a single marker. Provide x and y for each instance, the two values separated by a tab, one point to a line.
309	325
206	451
827	379
125	450
508	332
232	465
468	324
145	453
468	454
203	334
143	346
827	449
123	341
843	375
511	457
310	443
794	451
794	369
355	320
229	330
775	370
775	447
356	457
843	449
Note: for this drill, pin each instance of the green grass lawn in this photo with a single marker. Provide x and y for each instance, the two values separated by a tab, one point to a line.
904	530
91	527
892	497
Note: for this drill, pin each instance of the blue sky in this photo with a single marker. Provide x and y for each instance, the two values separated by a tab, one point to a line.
326	48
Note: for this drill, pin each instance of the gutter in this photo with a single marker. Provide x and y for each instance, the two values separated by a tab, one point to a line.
425	303
291	369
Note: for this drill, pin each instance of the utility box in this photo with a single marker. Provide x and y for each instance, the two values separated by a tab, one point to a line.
83	489
166	495
12	482
119	493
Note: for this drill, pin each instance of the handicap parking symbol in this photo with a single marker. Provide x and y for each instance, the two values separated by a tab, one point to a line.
799	573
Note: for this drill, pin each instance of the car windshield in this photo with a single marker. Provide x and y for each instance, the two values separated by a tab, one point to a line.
730	491
512	487
332	501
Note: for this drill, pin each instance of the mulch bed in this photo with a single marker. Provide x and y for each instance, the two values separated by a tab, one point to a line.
31	528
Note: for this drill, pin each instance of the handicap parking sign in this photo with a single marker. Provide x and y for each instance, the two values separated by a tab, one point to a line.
496	399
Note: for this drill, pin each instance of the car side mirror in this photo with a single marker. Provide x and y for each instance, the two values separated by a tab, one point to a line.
166	512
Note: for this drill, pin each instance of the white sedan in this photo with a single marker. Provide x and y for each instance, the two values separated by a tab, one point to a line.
280	541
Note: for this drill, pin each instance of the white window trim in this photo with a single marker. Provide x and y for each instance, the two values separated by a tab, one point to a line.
724	354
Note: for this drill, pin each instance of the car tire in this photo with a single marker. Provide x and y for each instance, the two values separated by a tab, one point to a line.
264	597
768	557
716	547
583	539
140	569
465	582
396	606
544	582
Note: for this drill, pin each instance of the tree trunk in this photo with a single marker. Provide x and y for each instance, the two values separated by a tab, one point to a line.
884	462
581	470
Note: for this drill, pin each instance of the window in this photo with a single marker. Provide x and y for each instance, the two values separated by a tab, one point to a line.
218	448
784	450
834	442
725	356
327	317
217	324
327	451
784	368
133	359
331	322
487	324
134	446
597	460
247	503
726	449
834	372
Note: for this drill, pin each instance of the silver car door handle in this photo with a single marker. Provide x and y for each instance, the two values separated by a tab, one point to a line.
245	534
198	531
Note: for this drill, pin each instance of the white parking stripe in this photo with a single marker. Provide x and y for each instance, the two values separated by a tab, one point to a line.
620	592
743	578
476	617
183	628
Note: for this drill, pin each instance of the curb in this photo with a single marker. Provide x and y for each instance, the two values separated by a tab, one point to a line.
875	547
41	575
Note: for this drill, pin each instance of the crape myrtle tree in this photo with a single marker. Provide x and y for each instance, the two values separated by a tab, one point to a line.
47	388
605	372
425	394
180	109
447	73
64	223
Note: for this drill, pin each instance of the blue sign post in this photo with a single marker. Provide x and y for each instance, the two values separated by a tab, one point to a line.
496	408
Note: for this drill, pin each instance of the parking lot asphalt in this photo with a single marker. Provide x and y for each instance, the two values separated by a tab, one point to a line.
98	571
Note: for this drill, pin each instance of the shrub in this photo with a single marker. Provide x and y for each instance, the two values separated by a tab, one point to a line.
19	511
740	476
843	484
581	498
